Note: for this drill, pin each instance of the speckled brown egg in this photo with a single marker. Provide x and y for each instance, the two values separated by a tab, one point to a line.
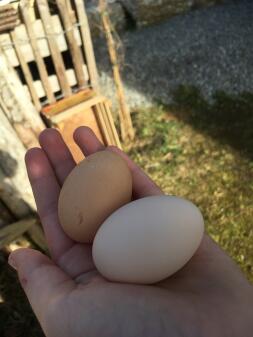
96	187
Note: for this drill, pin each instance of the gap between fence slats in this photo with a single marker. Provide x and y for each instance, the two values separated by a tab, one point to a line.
26	71
87	43
54	82
55	52
38	58
73	47
23	39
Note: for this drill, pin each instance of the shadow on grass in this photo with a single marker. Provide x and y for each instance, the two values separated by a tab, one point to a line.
228	118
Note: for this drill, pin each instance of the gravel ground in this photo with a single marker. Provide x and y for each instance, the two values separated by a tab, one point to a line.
210	48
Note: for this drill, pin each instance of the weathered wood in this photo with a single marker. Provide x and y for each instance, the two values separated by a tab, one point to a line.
55	52
26	72
21	113
14	231
26	135
108	113
85	105
107	123
127	130
101	123
89	112
68	102
54	83
15	189
38	58
71	11
9	19
8	13
5	8
9	26
87	43
41	40
73	47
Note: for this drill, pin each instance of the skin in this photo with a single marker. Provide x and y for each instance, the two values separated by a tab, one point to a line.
208	297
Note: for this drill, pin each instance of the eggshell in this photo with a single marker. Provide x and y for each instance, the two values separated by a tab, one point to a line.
148	240
95	188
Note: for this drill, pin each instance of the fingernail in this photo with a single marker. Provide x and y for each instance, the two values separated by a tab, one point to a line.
12	262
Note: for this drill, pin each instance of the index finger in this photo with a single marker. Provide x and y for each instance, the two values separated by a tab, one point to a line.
46	191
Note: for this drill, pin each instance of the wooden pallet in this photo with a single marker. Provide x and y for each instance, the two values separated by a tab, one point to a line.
42	45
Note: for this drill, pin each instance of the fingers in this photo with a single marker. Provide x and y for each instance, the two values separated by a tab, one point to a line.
143	186
57	152
42	281
87	140
46	191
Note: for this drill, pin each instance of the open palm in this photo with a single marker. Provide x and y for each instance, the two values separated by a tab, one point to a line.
208	297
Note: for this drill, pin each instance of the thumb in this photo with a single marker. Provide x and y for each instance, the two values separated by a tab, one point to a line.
40	278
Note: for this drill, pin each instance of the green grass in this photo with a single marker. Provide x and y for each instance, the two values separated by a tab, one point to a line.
203	152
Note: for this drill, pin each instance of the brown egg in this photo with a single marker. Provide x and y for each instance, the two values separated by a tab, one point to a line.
95	188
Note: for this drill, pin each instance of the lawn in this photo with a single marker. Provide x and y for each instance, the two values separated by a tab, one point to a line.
198	150
204	152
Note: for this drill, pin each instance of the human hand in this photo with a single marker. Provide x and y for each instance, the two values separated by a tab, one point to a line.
208	297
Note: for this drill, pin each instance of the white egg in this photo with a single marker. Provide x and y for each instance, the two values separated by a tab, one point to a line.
148	239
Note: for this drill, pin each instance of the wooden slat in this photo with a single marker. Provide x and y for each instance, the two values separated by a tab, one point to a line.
8	13
55	52
108	113
87	43
15	189
26	72
9	19
73	47
24	132
85	105
101	123
38	58
68	102
6	7
107	123
15	230
41	40
71	11
9	26
54	83
17	104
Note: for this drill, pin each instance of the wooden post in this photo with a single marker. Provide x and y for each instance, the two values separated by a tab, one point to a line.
15	189
127	131
87	43
73	47
17	106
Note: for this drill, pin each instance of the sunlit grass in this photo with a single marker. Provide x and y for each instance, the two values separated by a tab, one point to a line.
204	163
